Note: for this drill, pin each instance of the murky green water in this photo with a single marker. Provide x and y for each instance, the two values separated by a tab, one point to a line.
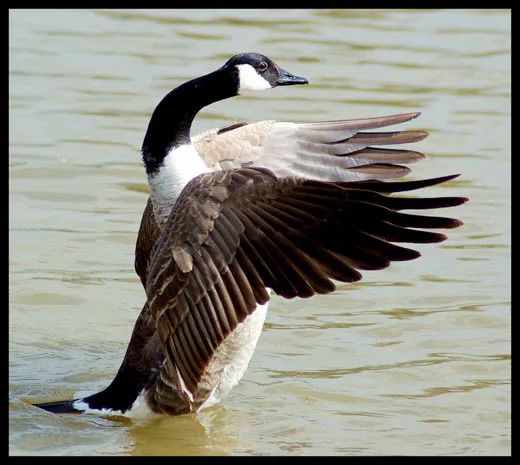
415	359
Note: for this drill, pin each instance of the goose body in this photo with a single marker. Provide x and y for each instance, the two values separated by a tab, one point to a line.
239	212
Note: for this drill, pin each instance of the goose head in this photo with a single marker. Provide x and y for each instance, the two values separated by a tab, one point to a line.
254	72
171	121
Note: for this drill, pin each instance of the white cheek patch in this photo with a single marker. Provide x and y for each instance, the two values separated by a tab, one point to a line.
249	79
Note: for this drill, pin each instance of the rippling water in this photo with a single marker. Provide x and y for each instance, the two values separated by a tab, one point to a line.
415	359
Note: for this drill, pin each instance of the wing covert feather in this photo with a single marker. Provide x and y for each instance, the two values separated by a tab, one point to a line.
330	150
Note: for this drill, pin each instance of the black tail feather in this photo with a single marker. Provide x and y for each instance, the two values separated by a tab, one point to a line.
63	406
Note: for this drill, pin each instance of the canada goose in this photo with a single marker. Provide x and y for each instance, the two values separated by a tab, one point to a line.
226	235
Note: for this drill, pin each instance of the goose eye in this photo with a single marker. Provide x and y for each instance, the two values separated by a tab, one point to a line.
262	66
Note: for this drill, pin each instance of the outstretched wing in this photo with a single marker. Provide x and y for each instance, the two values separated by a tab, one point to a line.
234	233
329	151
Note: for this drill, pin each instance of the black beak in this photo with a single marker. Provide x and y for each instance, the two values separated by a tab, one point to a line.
287	79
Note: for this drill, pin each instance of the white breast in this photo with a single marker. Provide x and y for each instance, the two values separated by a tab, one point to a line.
180	166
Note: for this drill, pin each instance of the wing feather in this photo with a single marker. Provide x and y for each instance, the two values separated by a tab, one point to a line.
328	150
261	231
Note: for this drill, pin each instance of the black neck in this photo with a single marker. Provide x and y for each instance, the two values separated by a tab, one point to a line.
171	120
